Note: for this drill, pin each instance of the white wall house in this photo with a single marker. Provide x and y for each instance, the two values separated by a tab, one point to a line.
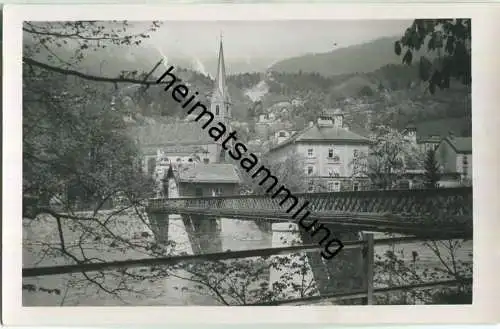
454	156
329	150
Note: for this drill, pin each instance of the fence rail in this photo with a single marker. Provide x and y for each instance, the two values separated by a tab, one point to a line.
362	293
262	252
368	244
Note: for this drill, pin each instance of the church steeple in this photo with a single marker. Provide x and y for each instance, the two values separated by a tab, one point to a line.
220	79
221	102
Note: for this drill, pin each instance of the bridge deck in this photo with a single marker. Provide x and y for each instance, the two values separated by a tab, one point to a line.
418	212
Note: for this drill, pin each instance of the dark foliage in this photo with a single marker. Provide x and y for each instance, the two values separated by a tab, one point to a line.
74	147
366	91
431	169
244	80
448	44
453	297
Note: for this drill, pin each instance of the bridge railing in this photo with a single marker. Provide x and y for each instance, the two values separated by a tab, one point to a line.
229	202
443	205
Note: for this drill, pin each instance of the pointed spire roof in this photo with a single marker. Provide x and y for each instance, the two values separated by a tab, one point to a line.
220	78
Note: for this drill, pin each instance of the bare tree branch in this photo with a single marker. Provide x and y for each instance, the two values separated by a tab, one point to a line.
36	63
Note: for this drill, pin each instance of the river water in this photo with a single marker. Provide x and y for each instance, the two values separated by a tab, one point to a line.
235	234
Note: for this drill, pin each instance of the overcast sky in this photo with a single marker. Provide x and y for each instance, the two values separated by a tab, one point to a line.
276	39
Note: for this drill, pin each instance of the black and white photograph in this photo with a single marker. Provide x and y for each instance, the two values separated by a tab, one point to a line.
299	162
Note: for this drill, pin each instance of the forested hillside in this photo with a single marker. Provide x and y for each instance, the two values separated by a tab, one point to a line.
366	57
361	78
393	93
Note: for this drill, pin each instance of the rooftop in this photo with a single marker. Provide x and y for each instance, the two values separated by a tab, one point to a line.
442	127
360	130
210	173
461	144
317	133
180	133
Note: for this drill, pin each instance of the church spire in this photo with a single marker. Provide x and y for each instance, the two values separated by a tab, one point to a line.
220	78
220	104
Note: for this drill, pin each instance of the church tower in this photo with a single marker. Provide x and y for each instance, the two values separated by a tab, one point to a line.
220	104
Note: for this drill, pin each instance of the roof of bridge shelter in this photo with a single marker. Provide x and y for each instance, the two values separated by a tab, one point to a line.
209	173
460	144
162	134
316	133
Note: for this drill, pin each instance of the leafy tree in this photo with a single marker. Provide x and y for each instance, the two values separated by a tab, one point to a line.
248	281
431	169
450	261
76	151
449	45
290	173
388	158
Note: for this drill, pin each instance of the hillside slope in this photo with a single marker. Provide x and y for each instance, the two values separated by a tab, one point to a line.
366	57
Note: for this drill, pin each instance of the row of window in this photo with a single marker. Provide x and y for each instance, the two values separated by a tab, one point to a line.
215	191
333	186
465	165
205	160
151	163
331	172
331	154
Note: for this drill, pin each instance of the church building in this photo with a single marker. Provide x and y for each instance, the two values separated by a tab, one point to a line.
187	148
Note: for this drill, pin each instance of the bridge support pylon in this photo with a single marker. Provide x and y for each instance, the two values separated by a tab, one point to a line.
204	233
159	225
346	271
265	226
342	273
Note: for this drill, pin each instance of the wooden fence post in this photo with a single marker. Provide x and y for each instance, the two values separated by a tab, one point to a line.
370	258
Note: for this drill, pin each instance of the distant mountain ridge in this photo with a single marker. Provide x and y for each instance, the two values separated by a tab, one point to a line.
360	58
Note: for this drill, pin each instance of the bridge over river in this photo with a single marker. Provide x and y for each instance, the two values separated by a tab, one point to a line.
208	226
425	214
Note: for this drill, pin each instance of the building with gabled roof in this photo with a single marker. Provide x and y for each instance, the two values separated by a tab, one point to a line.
460	144
454	156
329	151
201	180
208	180
209	173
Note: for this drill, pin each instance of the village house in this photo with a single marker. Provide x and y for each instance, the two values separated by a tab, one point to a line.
329	151
207	180
454	156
